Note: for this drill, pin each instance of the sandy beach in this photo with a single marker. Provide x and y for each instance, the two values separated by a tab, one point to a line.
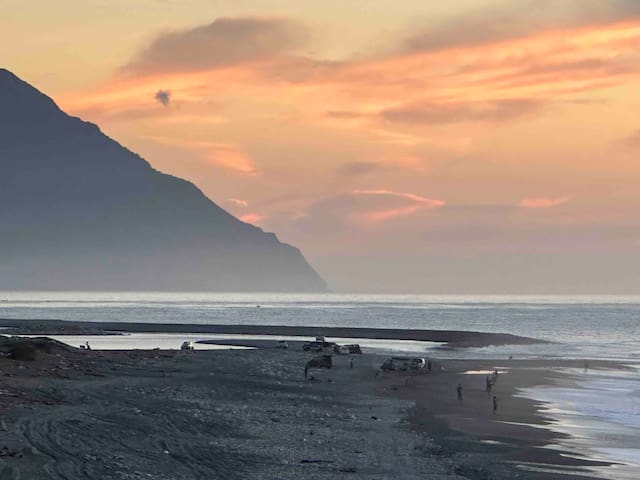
157	414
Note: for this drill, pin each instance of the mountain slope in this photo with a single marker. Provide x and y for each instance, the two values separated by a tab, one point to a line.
79	211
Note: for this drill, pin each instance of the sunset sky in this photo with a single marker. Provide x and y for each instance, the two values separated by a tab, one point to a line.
403	146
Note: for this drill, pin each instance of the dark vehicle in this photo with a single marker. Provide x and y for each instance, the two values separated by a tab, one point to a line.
354	348
404	363
282	345
321	361
317	346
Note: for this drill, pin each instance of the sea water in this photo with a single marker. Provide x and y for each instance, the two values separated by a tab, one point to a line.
599	410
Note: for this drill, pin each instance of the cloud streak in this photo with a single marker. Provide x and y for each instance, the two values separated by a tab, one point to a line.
453	112
510	20
224	42
542	202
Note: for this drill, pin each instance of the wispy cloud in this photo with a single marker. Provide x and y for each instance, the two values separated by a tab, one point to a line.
503	21
225	41
452	112
237	202
542	202
253	218
410	204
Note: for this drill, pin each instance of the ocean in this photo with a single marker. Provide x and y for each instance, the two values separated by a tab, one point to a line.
600	411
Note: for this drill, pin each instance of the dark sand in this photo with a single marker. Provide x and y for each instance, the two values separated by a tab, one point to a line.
453	338
249	414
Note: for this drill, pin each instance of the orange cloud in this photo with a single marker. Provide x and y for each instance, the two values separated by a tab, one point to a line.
252	218
427	202
471	83
232	159
542	202
237	202
413	204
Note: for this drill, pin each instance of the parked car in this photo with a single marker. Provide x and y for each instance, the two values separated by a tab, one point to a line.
321	361
187	345
317	346
282	345
404	363
354	348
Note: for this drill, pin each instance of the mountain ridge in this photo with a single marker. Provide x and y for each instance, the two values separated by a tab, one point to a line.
76	203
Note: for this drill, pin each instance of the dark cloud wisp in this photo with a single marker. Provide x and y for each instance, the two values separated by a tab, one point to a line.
226	41
163	97
434	113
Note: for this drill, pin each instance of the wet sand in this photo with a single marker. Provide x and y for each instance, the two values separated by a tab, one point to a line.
249	414
514	434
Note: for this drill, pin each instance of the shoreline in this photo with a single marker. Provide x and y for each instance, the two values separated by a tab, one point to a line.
518	433
452	338
255	410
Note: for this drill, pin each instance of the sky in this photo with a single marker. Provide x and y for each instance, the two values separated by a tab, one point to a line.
476	146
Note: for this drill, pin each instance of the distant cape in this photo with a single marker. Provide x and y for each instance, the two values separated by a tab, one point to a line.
80	211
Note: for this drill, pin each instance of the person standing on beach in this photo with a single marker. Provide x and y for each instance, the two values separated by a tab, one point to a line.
489	384
459	390
429	366
495	404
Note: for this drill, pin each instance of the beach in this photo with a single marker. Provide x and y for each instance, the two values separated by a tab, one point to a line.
161	414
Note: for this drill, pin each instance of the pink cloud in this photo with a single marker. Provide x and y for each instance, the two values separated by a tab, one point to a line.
542	202
252	218
424	201
411	203
237	202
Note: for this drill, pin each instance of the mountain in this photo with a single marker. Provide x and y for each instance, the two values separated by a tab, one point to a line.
79	211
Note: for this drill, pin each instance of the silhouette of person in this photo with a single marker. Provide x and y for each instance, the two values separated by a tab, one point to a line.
489	384
495	404
459	390
429	366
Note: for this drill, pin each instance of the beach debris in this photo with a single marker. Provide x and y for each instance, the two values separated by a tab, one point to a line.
5	452
348	470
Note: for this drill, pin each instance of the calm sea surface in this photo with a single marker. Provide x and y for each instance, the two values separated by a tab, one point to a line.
600	410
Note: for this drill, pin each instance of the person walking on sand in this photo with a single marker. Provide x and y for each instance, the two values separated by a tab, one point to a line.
459	390
306	371
495	404
489	384
429	366
495	375
351	363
